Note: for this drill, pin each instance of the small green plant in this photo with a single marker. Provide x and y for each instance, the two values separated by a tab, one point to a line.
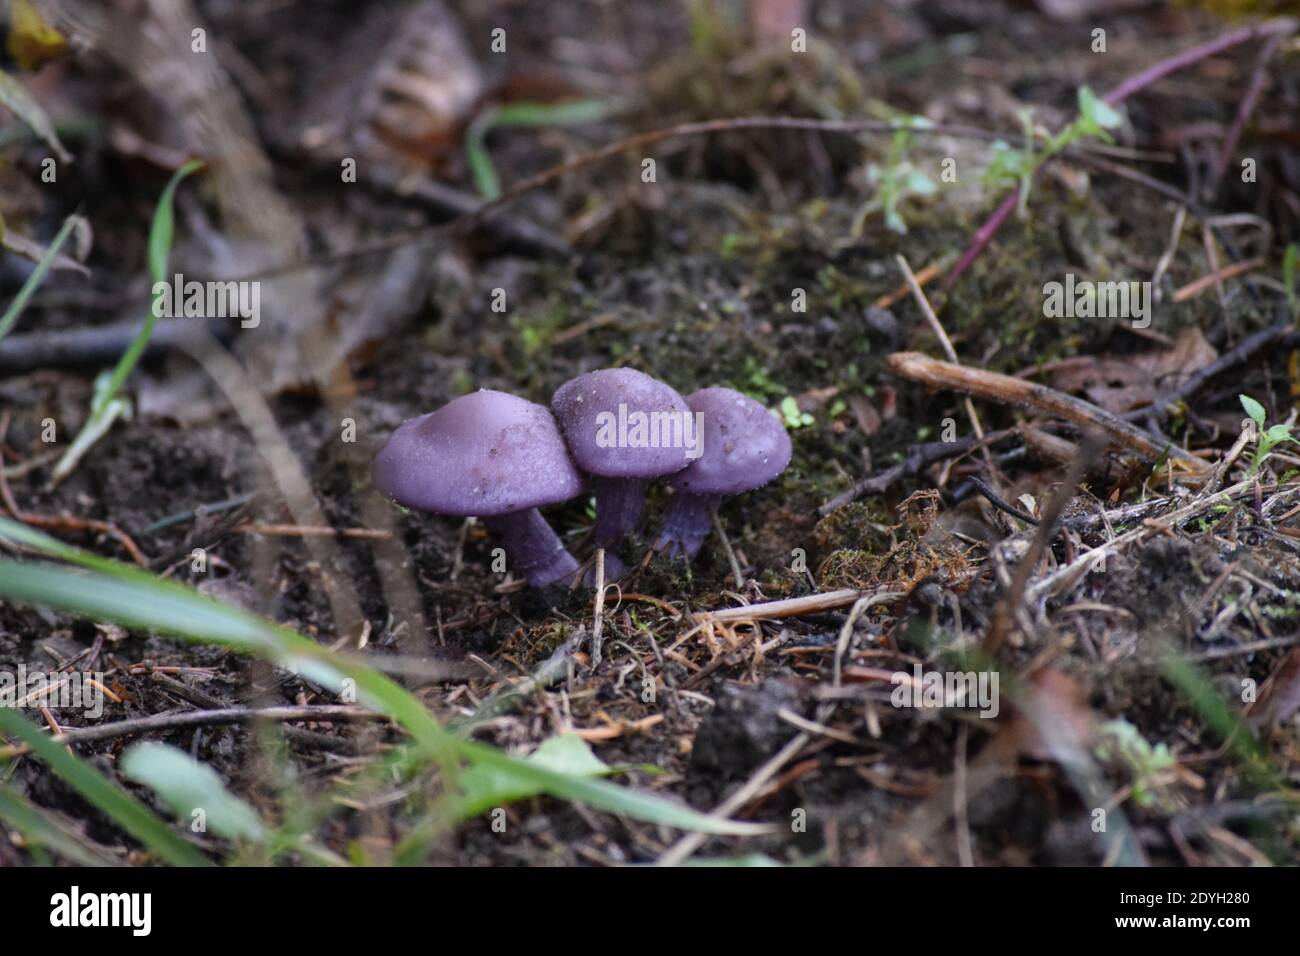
758	382
895	180
791	415
1119	740
1018	166
15	308
1267	439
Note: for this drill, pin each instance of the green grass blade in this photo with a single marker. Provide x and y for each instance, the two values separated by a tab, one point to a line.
161	232
481	169
606	796
15	97
36	278
568	113
109	590
39	829
128	812
134	599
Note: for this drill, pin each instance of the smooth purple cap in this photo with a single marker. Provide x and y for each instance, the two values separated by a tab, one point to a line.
580	403
482	454
745	445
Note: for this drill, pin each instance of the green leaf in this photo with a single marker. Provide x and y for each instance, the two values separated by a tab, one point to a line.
1278	434
187	785
163	227
128	812
1098	112
36	278
15	97
1254	409
484	787
919	183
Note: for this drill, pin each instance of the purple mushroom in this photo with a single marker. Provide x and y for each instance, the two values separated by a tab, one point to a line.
624	428
496	457
745	447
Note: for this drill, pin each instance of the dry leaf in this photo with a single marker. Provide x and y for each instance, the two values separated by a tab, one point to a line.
1279	698
32	42
1120	383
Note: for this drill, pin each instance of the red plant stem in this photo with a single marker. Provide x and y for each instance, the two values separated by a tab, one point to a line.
984	235
1281	26
1258	82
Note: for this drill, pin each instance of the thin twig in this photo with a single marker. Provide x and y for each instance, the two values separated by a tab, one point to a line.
310	531
918	457
682	850
789	607
1258	81
1001	504
323	713
1007	610
63	522
598	618
1242	353
728	551
937	327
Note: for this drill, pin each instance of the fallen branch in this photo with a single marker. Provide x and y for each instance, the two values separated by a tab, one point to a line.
100	346
1015	391
919	457
202	718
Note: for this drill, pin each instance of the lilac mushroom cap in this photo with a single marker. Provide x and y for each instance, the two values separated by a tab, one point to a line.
744	447
496	457
623	428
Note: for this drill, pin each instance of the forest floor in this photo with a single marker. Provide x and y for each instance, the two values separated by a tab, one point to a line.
1156	688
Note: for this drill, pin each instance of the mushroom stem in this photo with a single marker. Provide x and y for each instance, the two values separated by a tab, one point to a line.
532	547
687	523
619	502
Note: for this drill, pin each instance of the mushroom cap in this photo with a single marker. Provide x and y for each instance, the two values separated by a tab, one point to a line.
483	454
587	408
745	445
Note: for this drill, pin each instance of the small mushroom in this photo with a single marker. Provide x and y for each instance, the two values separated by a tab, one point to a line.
745	447
623	428
494	456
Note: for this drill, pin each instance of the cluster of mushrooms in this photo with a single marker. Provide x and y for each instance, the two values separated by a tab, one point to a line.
499	458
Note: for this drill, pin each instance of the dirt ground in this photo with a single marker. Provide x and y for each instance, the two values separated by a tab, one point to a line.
1112	680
